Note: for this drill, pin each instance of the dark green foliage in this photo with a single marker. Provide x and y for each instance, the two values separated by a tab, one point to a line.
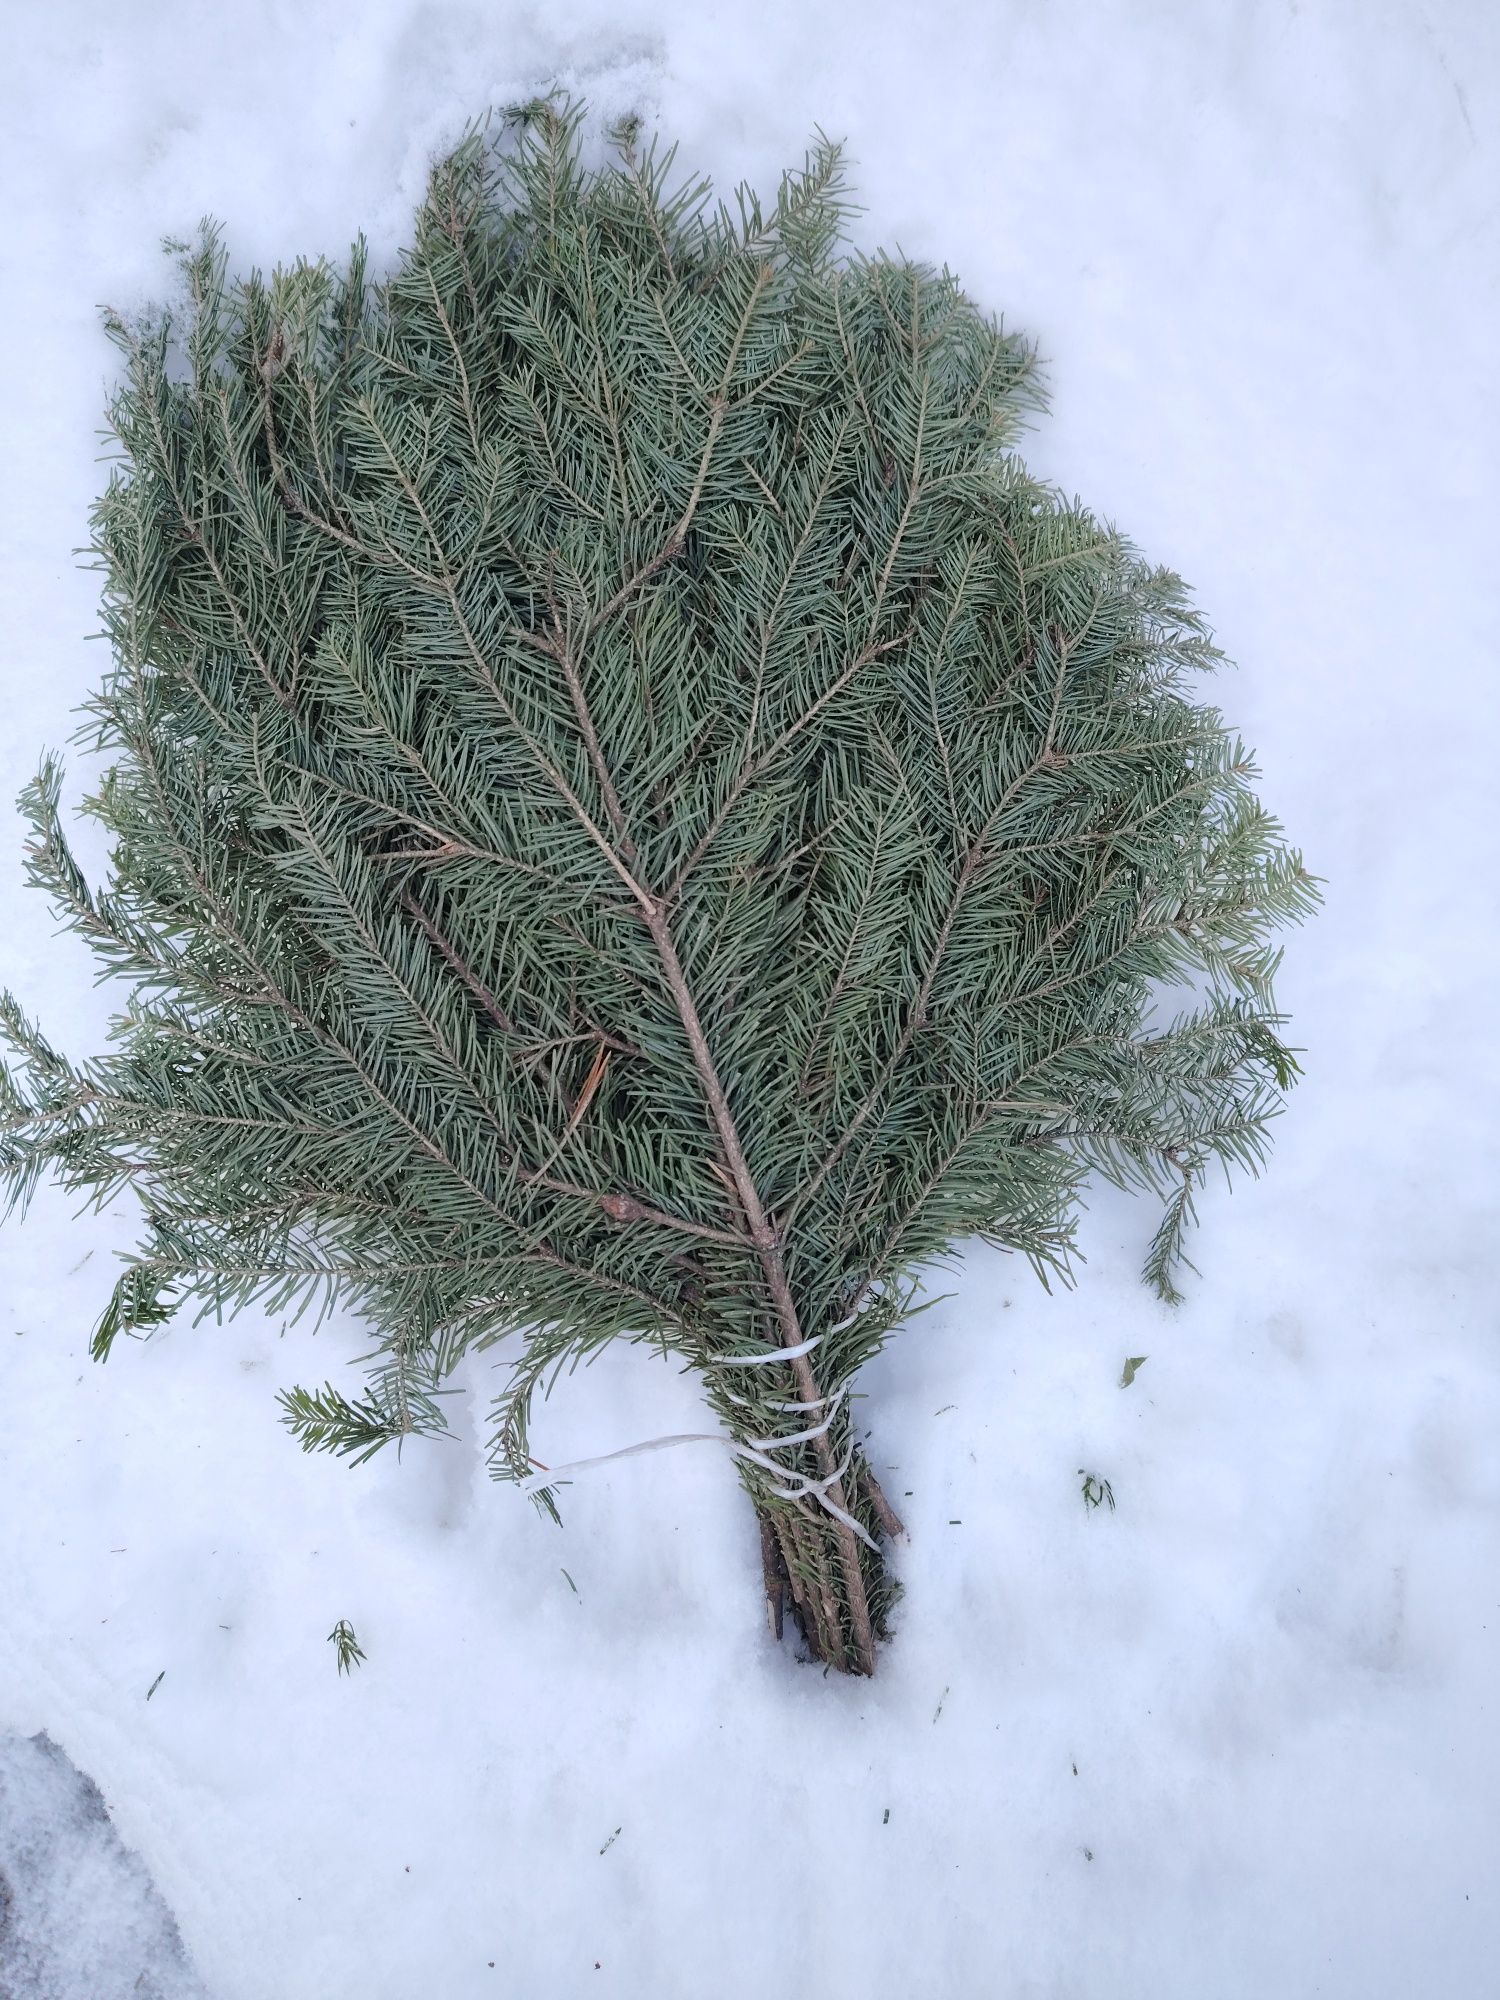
346	1647
1096	1491
634	815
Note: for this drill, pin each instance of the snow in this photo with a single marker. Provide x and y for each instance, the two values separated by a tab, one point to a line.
64	1858
1236	1737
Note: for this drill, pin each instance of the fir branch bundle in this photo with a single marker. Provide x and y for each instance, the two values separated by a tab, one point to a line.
634	816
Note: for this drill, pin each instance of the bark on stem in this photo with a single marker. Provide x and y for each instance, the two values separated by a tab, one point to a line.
802	1556
768	1250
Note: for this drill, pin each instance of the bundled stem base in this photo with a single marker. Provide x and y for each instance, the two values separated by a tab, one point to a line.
838	1590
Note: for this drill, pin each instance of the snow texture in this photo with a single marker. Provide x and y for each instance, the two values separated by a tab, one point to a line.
1237	1737
78	1914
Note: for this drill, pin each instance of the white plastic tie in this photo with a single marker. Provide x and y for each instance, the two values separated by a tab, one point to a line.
791	1485
805	1437
771	1354
537	1480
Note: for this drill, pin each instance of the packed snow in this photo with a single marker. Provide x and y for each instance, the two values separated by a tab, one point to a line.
1237	1736
64	1858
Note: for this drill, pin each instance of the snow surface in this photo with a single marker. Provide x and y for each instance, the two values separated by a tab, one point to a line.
62	1857
1236	1738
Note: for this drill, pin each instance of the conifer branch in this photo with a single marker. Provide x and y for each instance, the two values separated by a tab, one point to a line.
757	765
633	816
193	531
